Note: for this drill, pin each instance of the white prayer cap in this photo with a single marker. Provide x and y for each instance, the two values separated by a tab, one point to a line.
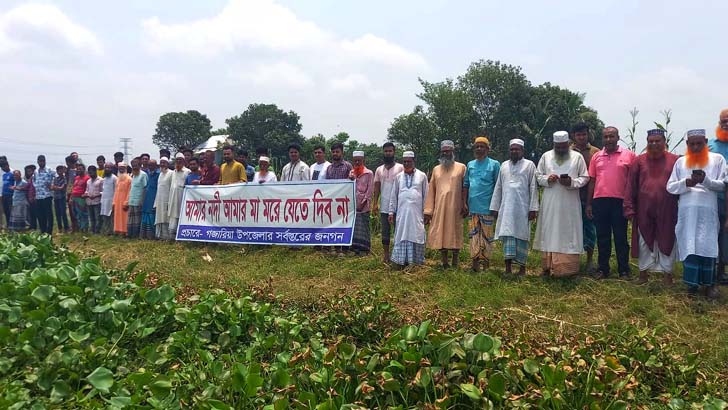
696	133
164	159
408	154
264	159
357	154
179	155
561	136
516	141
447	144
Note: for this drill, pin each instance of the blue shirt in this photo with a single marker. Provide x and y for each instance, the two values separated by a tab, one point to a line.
138	183
719	147
480	179
42	180
8	181
152	183
192	177
250	172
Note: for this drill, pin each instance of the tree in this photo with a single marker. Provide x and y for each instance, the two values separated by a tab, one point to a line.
181	129
220	131
416	131
266	125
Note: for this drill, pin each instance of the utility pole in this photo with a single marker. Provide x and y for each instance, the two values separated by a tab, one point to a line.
126	146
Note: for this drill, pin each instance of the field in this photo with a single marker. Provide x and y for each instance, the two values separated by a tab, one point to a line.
477	340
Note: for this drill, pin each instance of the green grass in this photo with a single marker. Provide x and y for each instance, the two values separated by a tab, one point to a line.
546	307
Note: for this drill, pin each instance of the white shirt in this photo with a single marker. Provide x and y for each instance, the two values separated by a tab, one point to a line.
318	171
515	194
262	179
407	200
161	201
108	188
697	211
176	189
295	172
559	227
386	177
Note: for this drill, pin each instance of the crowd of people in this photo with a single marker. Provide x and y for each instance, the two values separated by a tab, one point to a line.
588	195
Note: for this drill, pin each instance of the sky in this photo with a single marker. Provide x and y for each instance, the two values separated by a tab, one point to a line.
78	75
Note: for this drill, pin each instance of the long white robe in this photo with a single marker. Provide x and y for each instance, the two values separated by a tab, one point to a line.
175	192
515	195
559	227
107	195
161	202
697	210
409	204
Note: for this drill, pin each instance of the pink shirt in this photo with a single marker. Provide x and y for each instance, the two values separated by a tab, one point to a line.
610	171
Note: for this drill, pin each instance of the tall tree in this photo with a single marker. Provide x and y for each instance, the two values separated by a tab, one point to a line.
266	125
416	131
181	129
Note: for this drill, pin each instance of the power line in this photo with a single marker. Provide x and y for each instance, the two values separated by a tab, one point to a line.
126	146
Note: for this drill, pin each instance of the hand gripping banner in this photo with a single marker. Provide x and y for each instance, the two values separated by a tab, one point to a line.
285	213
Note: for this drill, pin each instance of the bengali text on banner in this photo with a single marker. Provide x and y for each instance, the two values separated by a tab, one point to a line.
286	213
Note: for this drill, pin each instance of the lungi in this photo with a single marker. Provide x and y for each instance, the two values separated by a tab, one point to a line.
148	228
561	264
80	210
134	223
19	216
515	249
408	253
361	241
699	271
163	231
481	236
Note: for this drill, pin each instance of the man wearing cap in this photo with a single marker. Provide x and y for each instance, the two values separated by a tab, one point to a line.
515	205
231	171
384	178
719	145
698	177
176	188
161	200
362	240
479	182
121	199
444	206
264	174
561	172
608	171
652	209
407	201
580	137
108	189
296	170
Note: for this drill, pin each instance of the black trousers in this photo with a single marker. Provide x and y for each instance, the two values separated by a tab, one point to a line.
60	206
44	209
610	221
7	207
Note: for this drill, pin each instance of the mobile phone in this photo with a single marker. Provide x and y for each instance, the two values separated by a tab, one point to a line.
564	175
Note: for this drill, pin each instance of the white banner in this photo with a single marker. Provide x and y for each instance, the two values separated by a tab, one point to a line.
284	213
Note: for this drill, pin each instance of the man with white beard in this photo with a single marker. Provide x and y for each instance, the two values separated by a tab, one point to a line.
444	206
561	172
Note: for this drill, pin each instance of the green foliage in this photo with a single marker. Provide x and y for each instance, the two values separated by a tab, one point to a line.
93	338
266	125
417	131
182	129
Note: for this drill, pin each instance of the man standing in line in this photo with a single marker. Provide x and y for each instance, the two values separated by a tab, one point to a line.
561	172
100	166
264	173
296	170
139	180
444	206
59	198
244	159
318	169
80	208
698	177
362	240
8	180
148	230
161	201
211	172
515	205
121	200
177	186
339	168
478	185
107	199
195	175
608	171
42	181
719	145
384	178
580	135
407	201
652	209
231	171
94	188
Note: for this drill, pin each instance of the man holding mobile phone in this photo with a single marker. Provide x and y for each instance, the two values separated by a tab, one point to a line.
608	173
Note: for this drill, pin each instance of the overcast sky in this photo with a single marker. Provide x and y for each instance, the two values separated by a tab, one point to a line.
80	74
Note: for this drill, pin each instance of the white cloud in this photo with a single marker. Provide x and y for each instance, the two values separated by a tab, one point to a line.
373	48
278	74
351	82
33	24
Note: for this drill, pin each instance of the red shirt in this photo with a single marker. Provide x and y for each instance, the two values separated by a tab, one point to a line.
79	186
211	175
611	171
